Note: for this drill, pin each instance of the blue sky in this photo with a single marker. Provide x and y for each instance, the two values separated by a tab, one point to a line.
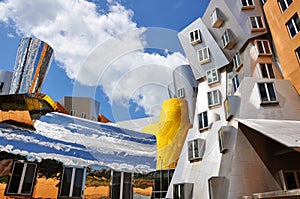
121	53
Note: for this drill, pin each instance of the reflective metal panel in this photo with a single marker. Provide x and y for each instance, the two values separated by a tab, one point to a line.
33	61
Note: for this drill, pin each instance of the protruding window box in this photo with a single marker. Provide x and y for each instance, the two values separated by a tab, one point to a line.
247	4
195	37
216	18
196	149
203	121
216	186
267	93
228	40
183	191
212	76
203	55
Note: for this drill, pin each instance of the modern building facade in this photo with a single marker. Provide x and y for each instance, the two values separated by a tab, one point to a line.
5	81
284	22
83	107
33	60
245	129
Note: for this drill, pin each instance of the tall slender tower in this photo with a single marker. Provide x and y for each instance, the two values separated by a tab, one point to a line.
32	64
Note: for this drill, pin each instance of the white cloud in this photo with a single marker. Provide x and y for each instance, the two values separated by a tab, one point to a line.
96	48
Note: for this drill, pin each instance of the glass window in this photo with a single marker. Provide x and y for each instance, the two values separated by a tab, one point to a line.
213	98
257	23
203	120
162	181
212	76
236	82
227	40
72	182
83	115
297	51
178	191
284	4
291	179
237	61
203	55
267	92
121	181
195	37
263	47
196	149
73	112
216	19
247	3
1	85
267	70
22	179
180	93
293	25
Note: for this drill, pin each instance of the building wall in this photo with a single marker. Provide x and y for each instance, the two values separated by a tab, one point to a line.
5	77
285	45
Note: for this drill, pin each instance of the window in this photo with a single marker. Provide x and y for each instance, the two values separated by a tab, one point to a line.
267	71
257	24
237	61
212	76
284	4
195	37
83	115
293	25
1	85
203	121
297	51
195	91
121	181
215	184
263	47
228	40
162	181
203	55
216	19
247	4
267	92
213	98
196	149
291	179
72	182
73	112
22	179
183	191
179	191
236	82
180	93
222	140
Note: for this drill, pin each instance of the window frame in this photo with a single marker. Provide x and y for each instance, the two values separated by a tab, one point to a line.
296	27
193	39
216	19
268	67
204	119
248	5
228	39
72	183
204	51
235	82
181	93
285	184
73	112
178	187
268	101
22	178
259	25
285	3
297	52
1	85
237	62
121	183
214	73
83	115
211	98
196	145
262	43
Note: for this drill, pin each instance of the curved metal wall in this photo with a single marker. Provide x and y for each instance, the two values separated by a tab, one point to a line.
33	61
5	80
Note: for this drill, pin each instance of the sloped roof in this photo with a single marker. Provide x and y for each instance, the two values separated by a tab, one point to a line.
76	141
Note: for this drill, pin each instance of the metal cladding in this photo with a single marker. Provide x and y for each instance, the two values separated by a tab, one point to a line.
5	80
33	61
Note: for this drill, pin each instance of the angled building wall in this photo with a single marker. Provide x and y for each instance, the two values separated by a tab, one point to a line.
5	81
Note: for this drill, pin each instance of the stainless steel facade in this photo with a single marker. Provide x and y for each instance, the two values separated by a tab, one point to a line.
5	80
33	61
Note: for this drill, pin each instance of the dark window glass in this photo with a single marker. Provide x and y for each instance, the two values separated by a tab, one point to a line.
190	150
1	85
127	186
264	71
176	192
66	184
196	148
165	180
77	188
290	179
271	92
192	36
271	72
284	4
297	51
16	178
205	119
263	92
28	179
181	191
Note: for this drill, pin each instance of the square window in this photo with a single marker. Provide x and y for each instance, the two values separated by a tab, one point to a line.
267	70
203	55
247	4
290	179
83	115
237	63
196	149
203	120
195	37
73	112
284	4
228	40
216	18
257	24
293	25
21	182
213	98
72	182
263	47
267	92
297	51
212	76
180	93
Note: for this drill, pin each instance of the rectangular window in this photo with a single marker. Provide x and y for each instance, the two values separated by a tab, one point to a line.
228	40
83	115
293	25
257	24
212	76
203	120
284	4
213	98
72	182
222	140
22	179
297	51
180	93
162	181
178	191
237	63
267	92
73	112
247	4
195	37
1	85
235	82
195	91
291	179
263	47
216	18
267	70
196	149
203	55
121	186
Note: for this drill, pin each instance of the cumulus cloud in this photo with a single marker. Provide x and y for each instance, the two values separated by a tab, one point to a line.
94	48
